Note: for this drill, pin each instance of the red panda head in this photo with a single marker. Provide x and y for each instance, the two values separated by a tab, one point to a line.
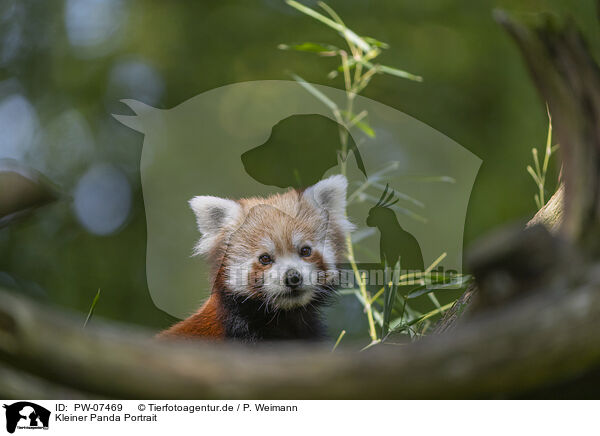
283	249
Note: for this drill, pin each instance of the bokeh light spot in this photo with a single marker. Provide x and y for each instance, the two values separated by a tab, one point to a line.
102	199
93	26
18	125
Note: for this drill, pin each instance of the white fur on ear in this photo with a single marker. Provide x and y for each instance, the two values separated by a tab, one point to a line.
212	215
329	195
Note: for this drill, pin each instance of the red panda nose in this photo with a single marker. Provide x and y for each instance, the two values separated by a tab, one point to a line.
293	278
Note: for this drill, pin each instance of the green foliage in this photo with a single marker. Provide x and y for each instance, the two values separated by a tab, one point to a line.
92	307
540	172
339	339
356	64
387	311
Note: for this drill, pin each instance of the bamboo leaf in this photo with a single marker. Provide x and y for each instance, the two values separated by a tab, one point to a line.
533	174
314	14
312	47
333	14
375	42
376	314
363	233
399	73
389	295
454	284
429	179
357	120
91	311
339	339
398	325
383	69
534	152
364	126
351	36
315	92
346	33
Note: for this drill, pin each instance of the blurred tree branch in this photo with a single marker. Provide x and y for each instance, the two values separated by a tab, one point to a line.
547	338
22	190
549	216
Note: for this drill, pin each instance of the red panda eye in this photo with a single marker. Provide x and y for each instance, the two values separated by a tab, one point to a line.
305	251
265	259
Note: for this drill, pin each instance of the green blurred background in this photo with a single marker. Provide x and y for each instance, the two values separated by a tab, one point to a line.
64	66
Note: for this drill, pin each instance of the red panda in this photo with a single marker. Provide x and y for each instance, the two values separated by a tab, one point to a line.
274	263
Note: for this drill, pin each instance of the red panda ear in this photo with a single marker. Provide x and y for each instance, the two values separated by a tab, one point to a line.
213	214
329	195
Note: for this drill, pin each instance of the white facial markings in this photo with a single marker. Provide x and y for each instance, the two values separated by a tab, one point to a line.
267	246
247	277
241	273
237	276
297	238
329	255
275	276
287	303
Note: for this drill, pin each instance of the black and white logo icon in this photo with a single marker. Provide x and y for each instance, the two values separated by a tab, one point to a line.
26	415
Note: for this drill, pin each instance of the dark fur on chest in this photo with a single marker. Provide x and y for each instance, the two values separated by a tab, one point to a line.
251	321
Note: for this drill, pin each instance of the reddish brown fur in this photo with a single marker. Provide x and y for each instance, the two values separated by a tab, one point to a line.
206	323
